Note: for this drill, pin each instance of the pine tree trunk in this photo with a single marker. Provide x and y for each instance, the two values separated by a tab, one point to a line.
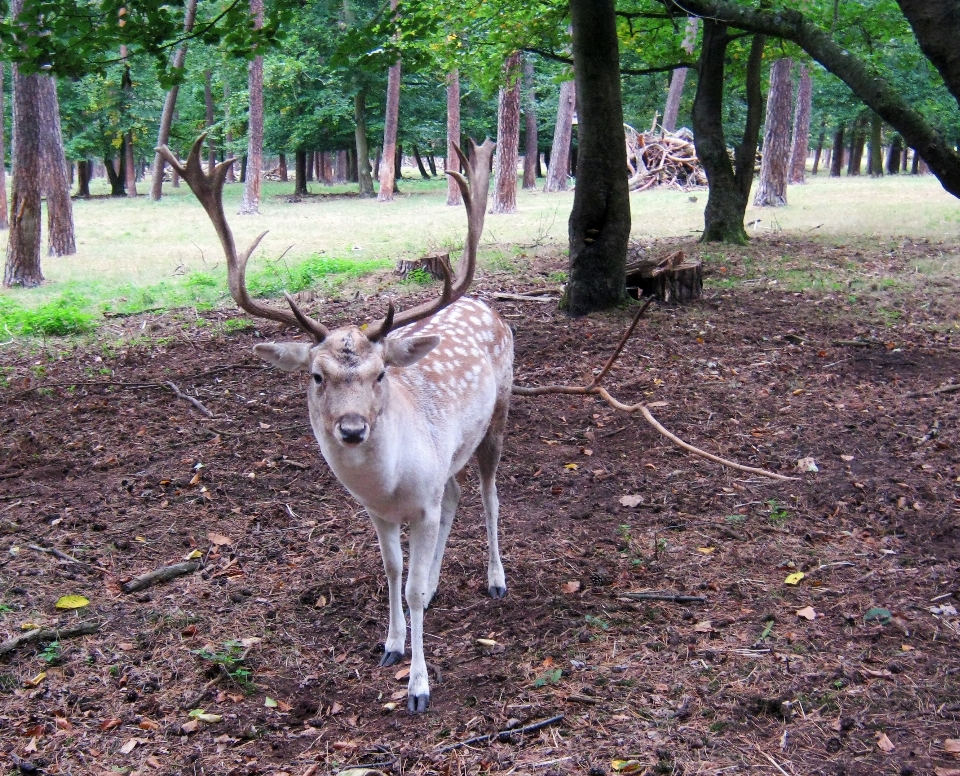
531	151
250	203
508	139
857	142
774	170
679	78
388	172
22	267
126	85
56	182
836	163
801	127
452	161
729	183
599	225
282	168
876	146
893	155
228	135
818	151
904	161
4	210
363	152
432	164
300	175
170	103
208	104
343	166
559	161
83	178
423	170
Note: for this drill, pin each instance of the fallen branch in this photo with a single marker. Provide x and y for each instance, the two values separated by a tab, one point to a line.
523	297
858	344
594	388
951	388
63	556
677	599
195	402
160	575
503	735
48	634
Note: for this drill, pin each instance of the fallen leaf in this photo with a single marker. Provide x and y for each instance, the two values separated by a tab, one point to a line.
63	723
807	464
706	550
202	716
630	501
946	771
793	579
31	745
907	648
571	466
952	746
847	458
218	539
189	631
153	762
72	602
402	674
389	706
627	766
110	724
190	727
195	479
656	404
878	613
398	695
486	642
703	627
193	555
586	451
129	746
148	724
269	702
570	587
336	708
126	646
884	743
37	679
946	609
807	613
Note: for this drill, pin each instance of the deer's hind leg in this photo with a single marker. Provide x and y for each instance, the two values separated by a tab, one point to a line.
448	510
488	458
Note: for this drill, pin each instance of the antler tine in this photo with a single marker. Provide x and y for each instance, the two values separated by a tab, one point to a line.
208	189
474	194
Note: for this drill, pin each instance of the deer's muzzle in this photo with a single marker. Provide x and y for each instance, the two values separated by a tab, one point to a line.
352	429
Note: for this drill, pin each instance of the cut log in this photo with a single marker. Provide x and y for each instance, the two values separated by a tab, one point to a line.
434	264
673	280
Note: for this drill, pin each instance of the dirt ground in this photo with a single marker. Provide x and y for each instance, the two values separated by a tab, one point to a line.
855	669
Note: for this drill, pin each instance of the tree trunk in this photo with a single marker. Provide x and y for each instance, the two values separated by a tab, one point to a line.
729	183
22	266
531	151
397	168
599	226
801	127
4	209
170	103
423	170
508	139
308	166
893	155
818	151
431	163
876	146
56	182
250	203
391	119
300	174
126	85
452	162
915	164
282	168
343	166
678	78
836	163
559	160
774	170
856	148
363	152
83	178
904	160
114	176
228	135
208	104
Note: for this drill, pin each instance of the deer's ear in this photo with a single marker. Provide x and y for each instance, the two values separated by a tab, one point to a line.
404	351
288	356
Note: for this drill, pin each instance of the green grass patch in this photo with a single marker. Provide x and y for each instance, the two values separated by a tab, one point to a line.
67	314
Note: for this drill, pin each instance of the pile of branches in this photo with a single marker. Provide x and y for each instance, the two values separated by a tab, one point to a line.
660	158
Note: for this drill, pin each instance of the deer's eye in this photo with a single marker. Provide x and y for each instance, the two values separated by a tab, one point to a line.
317	378
381	376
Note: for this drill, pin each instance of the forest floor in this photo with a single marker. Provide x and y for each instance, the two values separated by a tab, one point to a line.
855	669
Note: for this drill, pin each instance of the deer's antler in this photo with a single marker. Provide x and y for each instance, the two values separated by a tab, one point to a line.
473	188
208	188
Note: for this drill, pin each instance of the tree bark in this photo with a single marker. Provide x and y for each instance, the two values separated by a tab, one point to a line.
857	142
300	179
893	155
599	226
170	103
4	210
452	161
836	163
250	203
801	127
22	267
360	135
432	164
774	170
308	168
508	139
228	135
818	152
729	183
56	181
531	151
936	23
282	168
678	78
126	84
83	178
342	173
208	104
423	170
559	162
876	146
391	119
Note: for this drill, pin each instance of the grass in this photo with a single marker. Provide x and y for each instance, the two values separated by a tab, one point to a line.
134	254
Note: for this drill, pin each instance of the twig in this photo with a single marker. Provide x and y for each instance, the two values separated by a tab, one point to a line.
858	343
623	341
48	634
160	575
192	701
588	700
951	388
677	599
773	762
63	556
195	402
523	297
503	735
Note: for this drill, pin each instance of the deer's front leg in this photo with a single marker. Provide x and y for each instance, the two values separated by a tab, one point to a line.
423	543
388	534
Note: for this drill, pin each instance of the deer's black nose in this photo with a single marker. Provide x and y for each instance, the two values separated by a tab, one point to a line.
353	429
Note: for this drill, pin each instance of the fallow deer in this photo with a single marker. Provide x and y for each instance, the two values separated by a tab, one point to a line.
399	407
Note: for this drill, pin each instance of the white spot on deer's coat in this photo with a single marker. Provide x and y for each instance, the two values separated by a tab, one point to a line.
475	320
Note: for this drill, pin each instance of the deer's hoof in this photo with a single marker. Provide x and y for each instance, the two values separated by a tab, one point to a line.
497	592
417	704
390	658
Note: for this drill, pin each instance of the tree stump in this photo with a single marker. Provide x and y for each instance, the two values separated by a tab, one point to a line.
434	264
672	280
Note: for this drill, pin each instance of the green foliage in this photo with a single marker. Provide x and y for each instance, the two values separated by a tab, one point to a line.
550	677
230	658
51	653
59	317
418	277
277	277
